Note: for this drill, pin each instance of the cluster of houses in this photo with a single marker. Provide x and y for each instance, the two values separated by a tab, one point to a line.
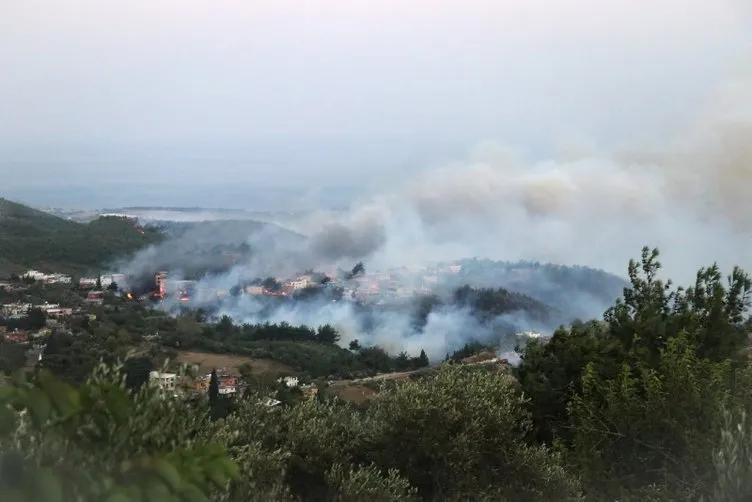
228	384
171	382
18	310
47	278
395	283
54	313
103	281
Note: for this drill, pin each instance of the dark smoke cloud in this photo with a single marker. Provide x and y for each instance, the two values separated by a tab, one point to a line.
337	241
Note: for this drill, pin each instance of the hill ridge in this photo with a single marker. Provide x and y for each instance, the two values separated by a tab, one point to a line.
30	238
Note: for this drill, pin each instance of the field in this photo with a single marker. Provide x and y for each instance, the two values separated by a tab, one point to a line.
208	362
352	393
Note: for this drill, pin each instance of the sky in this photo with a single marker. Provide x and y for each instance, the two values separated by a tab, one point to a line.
104	100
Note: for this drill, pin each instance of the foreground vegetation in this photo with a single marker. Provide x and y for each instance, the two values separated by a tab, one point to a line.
651	403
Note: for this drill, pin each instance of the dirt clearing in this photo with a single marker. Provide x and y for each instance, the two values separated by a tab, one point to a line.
208	362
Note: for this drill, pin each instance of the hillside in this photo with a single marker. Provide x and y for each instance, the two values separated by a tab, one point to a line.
209	247
577	291
33	239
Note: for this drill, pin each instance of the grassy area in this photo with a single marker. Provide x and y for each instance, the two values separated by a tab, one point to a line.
208	362
351	393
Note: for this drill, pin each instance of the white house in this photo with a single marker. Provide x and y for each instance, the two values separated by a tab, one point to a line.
300	283
87	282
290	381
165	381
34	274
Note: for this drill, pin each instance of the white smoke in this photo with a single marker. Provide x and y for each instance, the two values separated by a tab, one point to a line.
688	196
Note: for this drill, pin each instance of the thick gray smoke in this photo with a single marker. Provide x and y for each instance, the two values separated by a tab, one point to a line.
687	195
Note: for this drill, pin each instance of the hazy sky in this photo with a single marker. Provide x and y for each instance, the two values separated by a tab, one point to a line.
202	90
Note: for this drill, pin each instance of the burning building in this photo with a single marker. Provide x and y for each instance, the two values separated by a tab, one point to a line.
161	281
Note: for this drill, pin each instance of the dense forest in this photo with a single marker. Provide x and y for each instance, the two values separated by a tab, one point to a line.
34	239
648	404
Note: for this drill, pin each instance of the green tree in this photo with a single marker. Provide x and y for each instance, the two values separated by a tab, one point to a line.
97	442
136	370
36	319
213	388
732	460
423	359
327	334
650	431
225	325
460	434
657	375
12	357
550	373
402	361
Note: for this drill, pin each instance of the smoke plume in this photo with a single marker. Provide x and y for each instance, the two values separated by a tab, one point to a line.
687	195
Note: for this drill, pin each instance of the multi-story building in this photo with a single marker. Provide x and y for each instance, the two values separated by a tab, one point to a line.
165	381
161	280
95	297
87	283
254	290
300	283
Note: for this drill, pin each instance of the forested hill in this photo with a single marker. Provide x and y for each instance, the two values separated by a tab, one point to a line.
34	239
576	290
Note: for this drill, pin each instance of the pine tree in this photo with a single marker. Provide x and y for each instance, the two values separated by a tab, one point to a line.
213	388
423	359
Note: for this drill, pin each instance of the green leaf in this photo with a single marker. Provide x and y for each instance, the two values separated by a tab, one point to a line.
156	491
15	496
64	398
7	420
191	493
167	472
39	406
7	393
118	404
128	493
125	466
229	467
47	486
216	475
118	497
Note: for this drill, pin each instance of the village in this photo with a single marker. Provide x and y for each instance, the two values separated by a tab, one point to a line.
29	323
367	287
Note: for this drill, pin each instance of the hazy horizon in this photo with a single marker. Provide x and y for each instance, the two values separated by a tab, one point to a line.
569	132
300	96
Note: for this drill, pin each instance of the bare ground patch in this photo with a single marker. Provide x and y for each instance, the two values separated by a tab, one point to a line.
352	393
208	362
